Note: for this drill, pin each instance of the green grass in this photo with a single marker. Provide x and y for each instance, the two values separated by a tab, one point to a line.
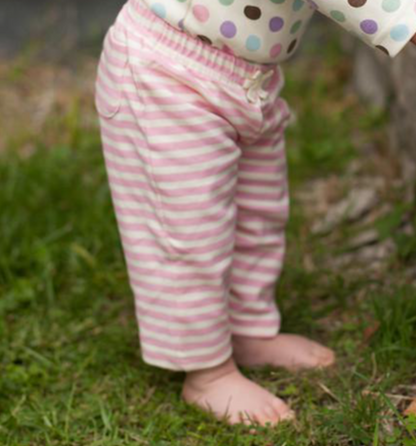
70	365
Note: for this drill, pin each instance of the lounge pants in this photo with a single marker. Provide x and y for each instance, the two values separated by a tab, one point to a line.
193	141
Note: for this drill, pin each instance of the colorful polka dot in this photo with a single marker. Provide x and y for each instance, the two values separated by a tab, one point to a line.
159	9
201	13
276	24
275	50
357	3
391	5
369	26
253	43
295	27
297	5
228	29
338	16
382	48
400	32
292	45
205	39
252	12
312	4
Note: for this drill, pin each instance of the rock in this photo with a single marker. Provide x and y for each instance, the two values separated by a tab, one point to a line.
363	239
358	202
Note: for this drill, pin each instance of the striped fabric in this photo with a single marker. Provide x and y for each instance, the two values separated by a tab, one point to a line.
193	140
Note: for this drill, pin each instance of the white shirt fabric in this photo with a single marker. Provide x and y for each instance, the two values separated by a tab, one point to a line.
270	31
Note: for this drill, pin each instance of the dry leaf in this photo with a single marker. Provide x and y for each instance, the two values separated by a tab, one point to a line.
370	331
411	409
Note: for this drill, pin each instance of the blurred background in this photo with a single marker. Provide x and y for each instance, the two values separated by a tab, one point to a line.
64	24
70	366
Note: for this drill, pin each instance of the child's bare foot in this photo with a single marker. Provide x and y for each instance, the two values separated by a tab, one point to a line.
225	392
292	352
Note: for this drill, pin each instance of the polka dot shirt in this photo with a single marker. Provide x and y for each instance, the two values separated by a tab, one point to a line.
269	31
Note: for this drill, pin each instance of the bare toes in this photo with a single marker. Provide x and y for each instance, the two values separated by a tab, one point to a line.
279	406
284	412
270	414
327	357
247	418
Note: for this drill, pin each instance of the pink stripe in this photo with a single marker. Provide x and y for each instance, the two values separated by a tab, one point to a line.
159	81
190	128
253	297
260	284
217	140
276	210
253	267
193	236
273	197
244	216
175	304
184	161
211	247
205	173
125	168
212	275
113	61
258	156
123	154
172	115
209	315
128	183
261	310
197	359
261	169
251	252
208	203
108	89
183	332
134	256
175	290
182	192
173	222
264	182
182	346
254	322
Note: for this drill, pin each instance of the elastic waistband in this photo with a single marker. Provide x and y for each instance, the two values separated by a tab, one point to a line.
189	50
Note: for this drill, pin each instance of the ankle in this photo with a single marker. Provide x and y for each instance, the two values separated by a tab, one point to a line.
203	377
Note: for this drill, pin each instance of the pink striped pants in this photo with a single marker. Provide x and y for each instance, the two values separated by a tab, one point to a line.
193	140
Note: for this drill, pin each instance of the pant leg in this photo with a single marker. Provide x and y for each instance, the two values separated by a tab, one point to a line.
263	207
172	163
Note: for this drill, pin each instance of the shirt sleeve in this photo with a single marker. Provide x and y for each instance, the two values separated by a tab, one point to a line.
384	24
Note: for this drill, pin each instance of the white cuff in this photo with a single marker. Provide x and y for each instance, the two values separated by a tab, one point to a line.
398	32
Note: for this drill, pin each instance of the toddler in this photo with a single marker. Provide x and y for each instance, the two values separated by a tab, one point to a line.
192	124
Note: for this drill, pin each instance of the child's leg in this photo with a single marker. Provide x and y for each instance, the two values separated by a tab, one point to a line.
262	211
172	167
172	191
173	113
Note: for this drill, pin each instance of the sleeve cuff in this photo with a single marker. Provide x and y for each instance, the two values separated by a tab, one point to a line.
398	32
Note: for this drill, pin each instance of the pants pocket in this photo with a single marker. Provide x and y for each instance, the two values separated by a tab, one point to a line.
111	73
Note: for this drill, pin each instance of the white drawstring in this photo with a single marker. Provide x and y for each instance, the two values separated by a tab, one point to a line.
254	83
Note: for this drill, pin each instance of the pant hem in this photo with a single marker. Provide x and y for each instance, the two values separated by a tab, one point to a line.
177	365
255	332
